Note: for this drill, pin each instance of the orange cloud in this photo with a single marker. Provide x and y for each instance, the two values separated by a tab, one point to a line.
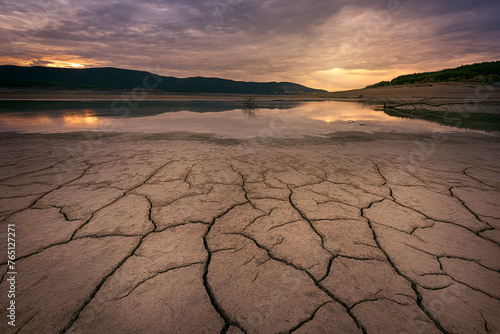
15	61
66	61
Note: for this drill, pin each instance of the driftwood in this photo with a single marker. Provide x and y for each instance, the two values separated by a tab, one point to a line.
443	105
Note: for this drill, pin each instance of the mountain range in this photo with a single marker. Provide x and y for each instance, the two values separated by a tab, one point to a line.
115	78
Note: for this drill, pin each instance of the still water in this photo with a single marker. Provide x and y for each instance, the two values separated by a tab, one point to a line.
224	119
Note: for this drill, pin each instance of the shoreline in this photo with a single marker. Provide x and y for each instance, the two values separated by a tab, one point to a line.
438	97
475	106
150	96
452	91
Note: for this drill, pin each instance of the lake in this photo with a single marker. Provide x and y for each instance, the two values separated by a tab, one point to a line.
224	119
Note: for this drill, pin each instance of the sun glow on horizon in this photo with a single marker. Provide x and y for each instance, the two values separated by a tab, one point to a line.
64	64
56	61
340	79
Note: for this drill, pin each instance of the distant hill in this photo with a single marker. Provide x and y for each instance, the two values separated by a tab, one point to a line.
483	72
115	78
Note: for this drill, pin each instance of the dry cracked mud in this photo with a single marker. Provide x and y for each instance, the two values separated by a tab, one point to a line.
180	233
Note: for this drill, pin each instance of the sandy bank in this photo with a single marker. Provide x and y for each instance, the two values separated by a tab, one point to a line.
415	92
440	98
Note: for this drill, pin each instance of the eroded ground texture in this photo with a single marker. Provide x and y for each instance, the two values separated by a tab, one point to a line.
190	234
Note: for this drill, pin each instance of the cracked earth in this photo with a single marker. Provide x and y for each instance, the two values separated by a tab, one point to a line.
166	234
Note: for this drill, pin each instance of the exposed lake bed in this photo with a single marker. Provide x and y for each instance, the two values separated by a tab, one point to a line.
362	230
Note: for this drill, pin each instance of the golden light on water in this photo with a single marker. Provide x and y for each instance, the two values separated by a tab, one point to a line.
88	118
308	118
73	120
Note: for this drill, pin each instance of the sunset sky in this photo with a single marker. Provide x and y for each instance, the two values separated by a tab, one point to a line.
333	45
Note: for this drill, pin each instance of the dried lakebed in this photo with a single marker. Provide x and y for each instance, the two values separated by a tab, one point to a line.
178	233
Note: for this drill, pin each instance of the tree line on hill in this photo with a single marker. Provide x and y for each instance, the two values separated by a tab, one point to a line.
486	73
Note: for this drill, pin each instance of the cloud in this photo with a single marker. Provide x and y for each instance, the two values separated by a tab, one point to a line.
282	40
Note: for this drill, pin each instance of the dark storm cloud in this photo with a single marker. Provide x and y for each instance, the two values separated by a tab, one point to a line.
223	16
253	39
445	7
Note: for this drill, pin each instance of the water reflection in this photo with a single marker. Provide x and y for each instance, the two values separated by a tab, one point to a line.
249	107
86	118
279	119
475	121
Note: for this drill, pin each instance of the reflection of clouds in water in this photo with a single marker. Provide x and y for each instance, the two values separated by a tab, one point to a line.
50	122
340	111
13	121
309	118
